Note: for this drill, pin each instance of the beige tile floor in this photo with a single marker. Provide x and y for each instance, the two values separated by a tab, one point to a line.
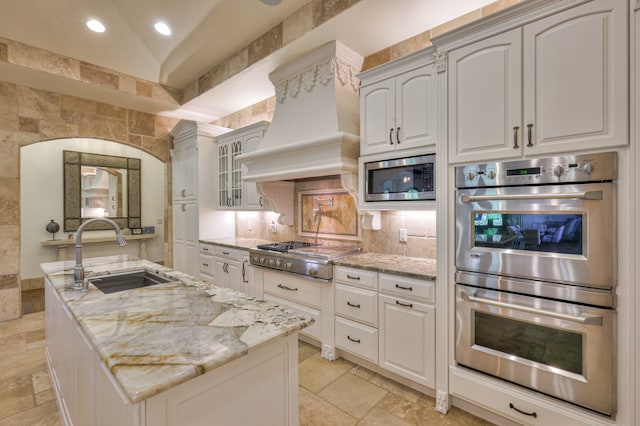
331	393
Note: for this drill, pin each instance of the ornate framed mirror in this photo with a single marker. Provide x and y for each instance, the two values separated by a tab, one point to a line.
97	185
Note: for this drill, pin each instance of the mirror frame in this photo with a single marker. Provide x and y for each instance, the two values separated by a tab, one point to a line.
72	162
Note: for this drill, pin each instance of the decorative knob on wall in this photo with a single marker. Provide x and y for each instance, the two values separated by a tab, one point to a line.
53	227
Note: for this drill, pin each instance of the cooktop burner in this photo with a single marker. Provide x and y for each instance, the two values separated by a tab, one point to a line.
285	246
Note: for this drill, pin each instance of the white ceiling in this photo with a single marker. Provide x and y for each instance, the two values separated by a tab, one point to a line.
205	32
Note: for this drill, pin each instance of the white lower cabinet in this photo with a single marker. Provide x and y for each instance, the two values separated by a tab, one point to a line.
231	269
387	319
407	339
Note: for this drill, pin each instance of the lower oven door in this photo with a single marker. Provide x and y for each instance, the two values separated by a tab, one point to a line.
557	348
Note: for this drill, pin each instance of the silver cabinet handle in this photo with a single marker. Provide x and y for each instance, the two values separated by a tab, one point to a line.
515	137
353	305
352	339
582	318
284	287
585	195
398	135
244	272
532	414
529	131
391	136
183	193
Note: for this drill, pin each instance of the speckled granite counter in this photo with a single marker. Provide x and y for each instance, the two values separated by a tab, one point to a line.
157	337
415	267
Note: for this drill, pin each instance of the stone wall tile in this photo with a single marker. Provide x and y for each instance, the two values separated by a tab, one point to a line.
112	111
411	45
10	201
99	76
143	89
4	55
239	61
166	94
36	103
95	126
10	303
190	92
323	10
29	125
497	6
43	60
297	24
266	44
10	249
157	147
74	103
164	125
9	114
127	84
135	140
10	158
8	90
214	77
381	57
141	123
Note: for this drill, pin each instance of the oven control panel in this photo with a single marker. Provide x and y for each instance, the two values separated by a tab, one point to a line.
600	167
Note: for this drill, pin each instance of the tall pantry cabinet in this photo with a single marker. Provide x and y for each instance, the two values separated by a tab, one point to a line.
193	195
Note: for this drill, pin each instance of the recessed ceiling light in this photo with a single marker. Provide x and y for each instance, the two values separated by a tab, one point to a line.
271	2
162	28
95	25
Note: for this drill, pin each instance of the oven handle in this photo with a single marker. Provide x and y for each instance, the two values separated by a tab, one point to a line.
582	318
585	195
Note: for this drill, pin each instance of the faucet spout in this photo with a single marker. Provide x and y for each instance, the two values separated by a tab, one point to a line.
79	283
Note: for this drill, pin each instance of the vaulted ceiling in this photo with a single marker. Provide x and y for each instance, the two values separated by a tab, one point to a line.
206	32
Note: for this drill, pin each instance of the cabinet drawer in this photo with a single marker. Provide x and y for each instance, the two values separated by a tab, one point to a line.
315	329
228	253
293	288
206	249
357	277
207	265
357	304
408	287
357	338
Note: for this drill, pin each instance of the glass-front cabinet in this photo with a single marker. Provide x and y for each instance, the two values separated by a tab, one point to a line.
233	193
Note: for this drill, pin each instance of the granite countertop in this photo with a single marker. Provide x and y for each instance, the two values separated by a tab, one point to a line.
237	243
157	337
414	267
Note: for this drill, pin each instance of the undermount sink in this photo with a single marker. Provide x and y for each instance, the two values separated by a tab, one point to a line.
113	283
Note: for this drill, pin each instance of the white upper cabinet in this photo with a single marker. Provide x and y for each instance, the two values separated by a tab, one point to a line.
559	84
185	170
233	193
398	105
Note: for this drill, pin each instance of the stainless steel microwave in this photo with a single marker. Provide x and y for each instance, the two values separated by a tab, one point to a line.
401	179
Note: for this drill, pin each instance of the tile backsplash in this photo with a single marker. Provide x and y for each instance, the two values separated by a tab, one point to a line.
420	226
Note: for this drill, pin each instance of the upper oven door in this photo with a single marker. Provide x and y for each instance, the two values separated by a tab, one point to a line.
558	233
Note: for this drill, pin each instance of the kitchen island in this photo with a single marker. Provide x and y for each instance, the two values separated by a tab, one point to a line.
183	352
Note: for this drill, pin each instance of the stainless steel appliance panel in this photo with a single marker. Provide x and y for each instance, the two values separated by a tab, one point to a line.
401	179
557	348
556	233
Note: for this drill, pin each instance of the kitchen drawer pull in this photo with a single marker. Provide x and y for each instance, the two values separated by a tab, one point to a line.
205	264
398	135
515	137
353	278
404	288
406	305
581	318
261	205
533	414
284	287
585	195
391	136
225	253
205	248
352	339
356	305
529	127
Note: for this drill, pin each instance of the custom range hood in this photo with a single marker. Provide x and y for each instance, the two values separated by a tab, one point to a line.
316	123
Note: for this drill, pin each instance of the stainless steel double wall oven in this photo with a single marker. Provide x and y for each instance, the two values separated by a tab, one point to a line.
536	274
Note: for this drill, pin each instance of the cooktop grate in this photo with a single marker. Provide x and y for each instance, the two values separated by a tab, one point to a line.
285	246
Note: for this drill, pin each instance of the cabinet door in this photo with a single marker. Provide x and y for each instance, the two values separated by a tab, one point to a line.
221	274
234	270
177	174
252	198
237	186
377	124
185	237
416	103
224	185
190	170
485	98
407	339
576	78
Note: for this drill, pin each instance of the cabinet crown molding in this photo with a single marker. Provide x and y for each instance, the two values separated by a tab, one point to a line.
401	65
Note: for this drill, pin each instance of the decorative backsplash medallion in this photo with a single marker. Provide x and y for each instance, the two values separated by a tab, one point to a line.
327	214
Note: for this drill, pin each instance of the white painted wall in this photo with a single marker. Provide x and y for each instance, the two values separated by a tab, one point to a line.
41	189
